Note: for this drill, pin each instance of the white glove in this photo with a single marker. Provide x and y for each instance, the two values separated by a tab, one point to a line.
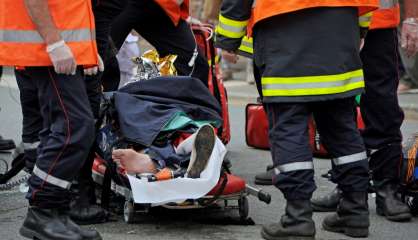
62	58
409	39
93	70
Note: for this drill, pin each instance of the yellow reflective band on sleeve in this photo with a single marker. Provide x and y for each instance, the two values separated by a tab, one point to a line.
312	85
231	22
365	20
247	45
231	28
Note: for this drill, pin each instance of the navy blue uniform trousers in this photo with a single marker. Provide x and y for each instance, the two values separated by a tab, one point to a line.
290	148
66	136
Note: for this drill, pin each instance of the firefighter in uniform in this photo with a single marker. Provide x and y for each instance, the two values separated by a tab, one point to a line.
53	40
306	56
163	24
382	115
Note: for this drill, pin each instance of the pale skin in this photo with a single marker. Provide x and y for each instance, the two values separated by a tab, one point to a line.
41	17
410	31
65	62
134	162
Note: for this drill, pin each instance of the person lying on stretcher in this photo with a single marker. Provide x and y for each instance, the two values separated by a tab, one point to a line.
140	163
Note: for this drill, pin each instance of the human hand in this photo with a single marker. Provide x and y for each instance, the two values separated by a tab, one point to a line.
93	70
62	58
409	36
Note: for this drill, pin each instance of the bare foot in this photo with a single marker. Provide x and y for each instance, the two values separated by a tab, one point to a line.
134	162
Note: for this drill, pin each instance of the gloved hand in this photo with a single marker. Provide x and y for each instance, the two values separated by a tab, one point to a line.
93	70
409	39
62	58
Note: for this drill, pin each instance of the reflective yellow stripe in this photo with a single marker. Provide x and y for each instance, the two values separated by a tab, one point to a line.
312	79
312	85
231	28
247	45
365	20
312	91
229	34
231	22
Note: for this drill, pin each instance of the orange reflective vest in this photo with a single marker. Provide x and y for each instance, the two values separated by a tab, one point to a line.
175	9
22	45
267	8
388	15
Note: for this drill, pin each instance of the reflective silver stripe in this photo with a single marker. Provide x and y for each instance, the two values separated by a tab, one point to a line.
385	4
296	166
247	42
32	36
234	29
313	85
276	171
373	151
179	2
51	179
365	19
28	146
350	158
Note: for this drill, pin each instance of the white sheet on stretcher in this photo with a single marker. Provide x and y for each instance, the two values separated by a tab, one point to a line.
180	189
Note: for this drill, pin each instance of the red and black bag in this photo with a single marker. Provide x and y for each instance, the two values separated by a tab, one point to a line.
256	126
204	39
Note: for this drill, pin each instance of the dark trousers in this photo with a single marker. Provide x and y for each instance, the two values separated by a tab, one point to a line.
292	155
105	11
379	104
32	122
66	137
153	24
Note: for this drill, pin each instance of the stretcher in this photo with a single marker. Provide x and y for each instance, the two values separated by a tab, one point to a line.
230	194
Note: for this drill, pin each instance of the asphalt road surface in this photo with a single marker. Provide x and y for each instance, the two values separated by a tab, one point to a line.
200	225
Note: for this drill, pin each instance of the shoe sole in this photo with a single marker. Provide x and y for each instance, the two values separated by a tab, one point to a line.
27	233
267	236
403	217
351	232
203	151
263	182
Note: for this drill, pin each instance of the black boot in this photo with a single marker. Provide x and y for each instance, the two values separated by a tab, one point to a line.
84	233
388	205
265	178
297	223
352	216
6	144
327	203
83	208
46	224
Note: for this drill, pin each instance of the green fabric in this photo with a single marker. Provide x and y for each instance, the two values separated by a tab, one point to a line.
358	98
181	120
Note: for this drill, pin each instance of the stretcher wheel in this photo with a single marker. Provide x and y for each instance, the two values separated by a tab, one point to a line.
243	208
129	212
